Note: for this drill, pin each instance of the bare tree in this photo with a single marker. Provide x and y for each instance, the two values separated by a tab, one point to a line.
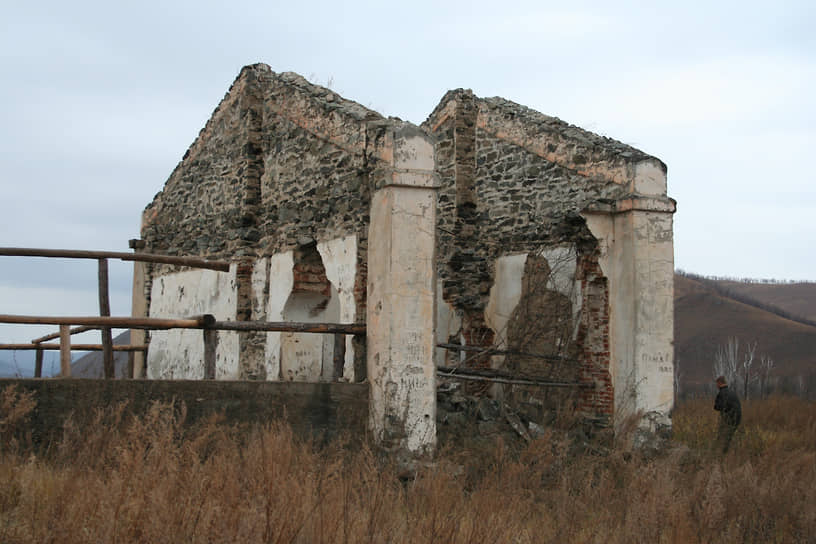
766	365
678	376
735	365
725	360
747	363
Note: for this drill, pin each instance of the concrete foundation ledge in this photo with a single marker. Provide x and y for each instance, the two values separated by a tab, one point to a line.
319	410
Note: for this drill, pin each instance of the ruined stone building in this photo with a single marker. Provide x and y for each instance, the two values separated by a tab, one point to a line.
491	225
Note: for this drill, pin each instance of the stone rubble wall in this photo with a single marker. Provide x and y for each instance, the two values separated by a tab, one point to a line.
514	181
284	164
281	164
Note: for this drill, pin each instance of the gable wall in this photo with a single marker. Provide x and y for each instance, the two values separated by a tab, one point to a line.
284	164
505	196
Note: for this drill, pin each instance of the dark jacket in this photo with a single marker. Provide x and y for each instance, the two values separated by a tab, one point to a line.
728	404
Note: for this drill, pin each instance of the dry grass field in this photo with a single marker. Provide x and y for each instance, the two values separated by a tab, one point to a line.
152	480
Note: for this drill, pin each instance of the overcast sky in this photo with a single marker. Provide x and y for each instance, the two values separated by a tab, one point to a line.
100	100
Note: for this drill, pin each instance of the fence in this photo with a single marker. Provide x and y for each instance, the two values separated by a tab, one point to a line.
207	323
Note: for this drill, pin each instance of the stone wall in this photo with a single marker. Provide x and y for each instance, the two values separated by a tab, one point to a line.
515	187
281	166
541	232
504	210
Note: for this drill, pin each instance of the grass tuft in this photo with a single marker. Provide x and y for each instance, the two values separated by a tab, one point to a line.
152	479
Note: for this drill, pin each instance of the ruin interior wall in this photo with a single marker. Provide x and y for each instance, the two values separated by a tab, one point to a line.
518	265
520	191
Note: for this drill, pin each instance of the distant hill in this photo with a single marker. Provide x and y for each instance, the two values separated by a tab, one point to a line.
799	299
707	313
90	365
20	364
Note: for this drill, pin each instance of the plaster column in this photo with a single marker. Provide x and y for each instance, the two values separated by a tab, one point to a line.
401	316
637	249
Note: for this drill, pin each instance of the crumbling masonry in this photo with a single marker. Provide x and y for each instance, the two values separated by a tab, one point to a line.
490	226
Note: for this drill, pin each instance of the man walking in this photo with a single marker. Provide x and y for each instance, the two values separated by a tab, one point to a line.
728	404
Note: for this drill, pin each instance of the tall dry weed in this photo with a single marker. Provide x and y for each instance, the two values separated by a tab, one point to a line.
15	409
154	479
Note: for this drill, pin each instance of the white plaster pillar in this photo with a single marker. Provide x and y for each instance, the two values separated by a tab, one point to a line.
281	280
401	317
637	248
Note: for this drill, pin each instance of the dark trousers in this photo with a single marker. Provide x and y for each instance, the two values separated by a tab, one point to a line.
724	435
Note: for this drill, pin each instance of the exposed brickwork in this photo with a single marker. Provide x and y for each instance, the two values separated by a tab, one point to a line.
283	164
250	344
501	195
510	200
309	272
597	396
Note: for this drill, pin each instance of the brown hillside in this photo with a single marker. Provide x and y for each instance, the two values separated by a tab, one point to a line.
705	320
797	298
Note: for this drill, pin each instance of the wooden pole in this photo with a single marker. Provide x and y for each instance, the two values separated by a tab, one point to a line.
287	326
206	321
65	351
192	262
210	345
104	311
486	375
38	362
74	347
53	335
152	323
492	351
339	355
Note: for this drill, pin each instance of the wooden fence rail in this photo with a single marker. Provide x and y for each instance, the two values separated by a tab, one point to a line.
77	347
197	322
54	335
206	323
104	298
192	262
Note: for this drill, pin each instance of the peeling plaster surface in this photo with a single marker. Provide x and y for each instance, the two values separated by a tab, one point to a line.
654	352
504	297
413	151
307	357
505	294
563	262
639	261
281	276
340	260
179	353
650	178
401	316
260	288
